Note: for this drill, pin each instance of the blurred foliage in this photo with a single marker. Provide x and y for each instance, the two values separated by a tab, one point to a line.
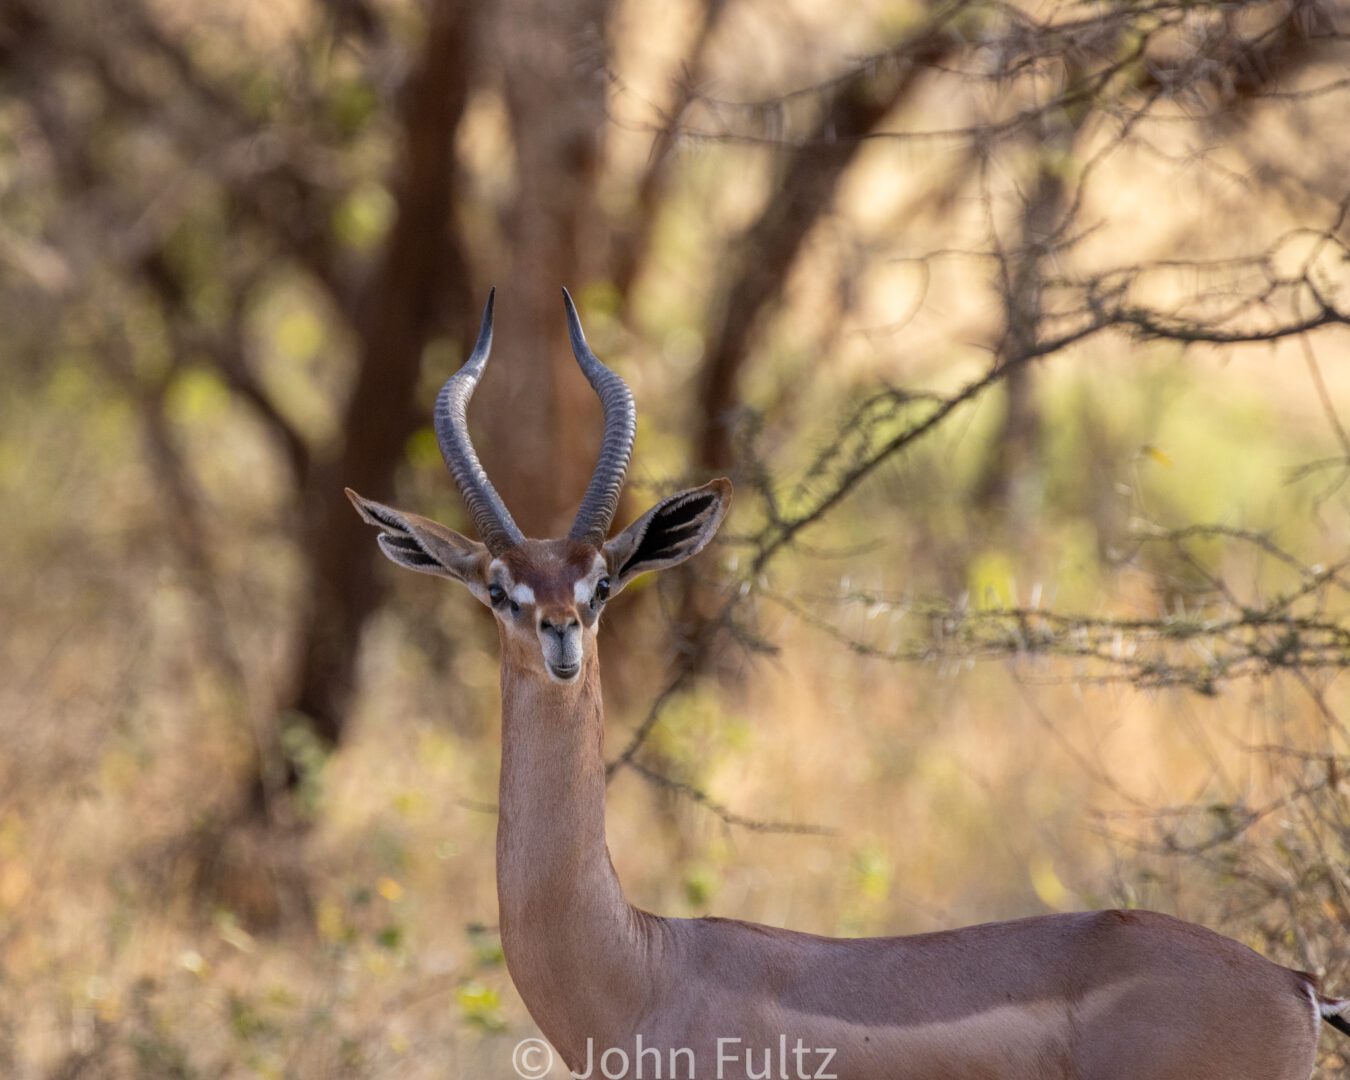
1020	331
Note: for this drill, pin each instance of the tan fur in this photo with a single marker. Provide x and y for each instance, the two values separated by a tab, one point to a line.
1106	995
549	567
1098	996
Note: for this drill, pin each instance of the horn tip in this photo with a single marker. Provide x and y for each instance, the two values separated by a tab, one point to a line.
483	345
574	330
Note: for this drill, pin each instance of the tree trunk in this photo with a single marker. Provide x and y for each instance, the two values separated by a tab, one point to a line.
404	305
764	258
539	419
1010	487
765	255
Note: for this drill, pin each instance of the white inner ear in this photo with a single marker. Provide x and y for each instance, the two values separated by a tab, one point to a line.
522	594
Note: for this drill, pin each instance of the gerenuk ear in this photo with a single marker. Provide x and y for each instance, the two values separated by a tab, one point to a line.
418	543
667	534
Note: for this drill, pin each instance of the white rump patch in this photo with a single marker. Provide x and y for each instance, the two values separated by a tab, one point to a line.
1333	1006
522	594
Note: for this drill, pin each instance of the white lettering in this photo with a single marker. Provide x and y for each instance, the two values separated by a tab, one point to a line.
786	1061
723	1058
642	1052
590	1061
689	1055
618	1073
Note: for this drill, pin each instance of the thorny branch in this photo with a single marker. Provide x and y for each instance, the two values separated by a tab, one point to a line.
1197	650
1120	73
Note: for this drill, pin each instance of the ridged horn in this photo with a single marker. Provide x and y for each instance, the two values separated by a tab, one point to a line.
601	500
490	516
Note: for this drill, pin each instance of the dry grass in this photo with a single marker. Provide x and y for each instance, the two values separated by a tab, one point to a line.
956	793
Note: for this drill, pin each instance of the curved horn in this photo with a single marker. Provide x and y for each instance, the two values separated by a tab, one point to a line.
601	500
490	516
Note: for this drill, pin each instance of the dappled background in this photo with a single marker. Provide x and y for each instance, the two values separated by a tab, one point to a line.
1021	329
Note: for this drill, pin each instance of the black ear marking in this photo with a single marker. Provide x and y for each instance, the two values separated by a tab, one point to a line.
385	518
418	543
407	551
399	542
372	513
670	529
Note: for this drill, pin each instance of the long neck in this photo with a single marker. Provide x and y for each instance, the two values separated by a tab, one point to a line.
577	951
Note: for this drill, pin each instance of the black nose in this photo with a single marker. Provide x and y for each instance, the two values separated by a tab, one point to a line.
559	628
